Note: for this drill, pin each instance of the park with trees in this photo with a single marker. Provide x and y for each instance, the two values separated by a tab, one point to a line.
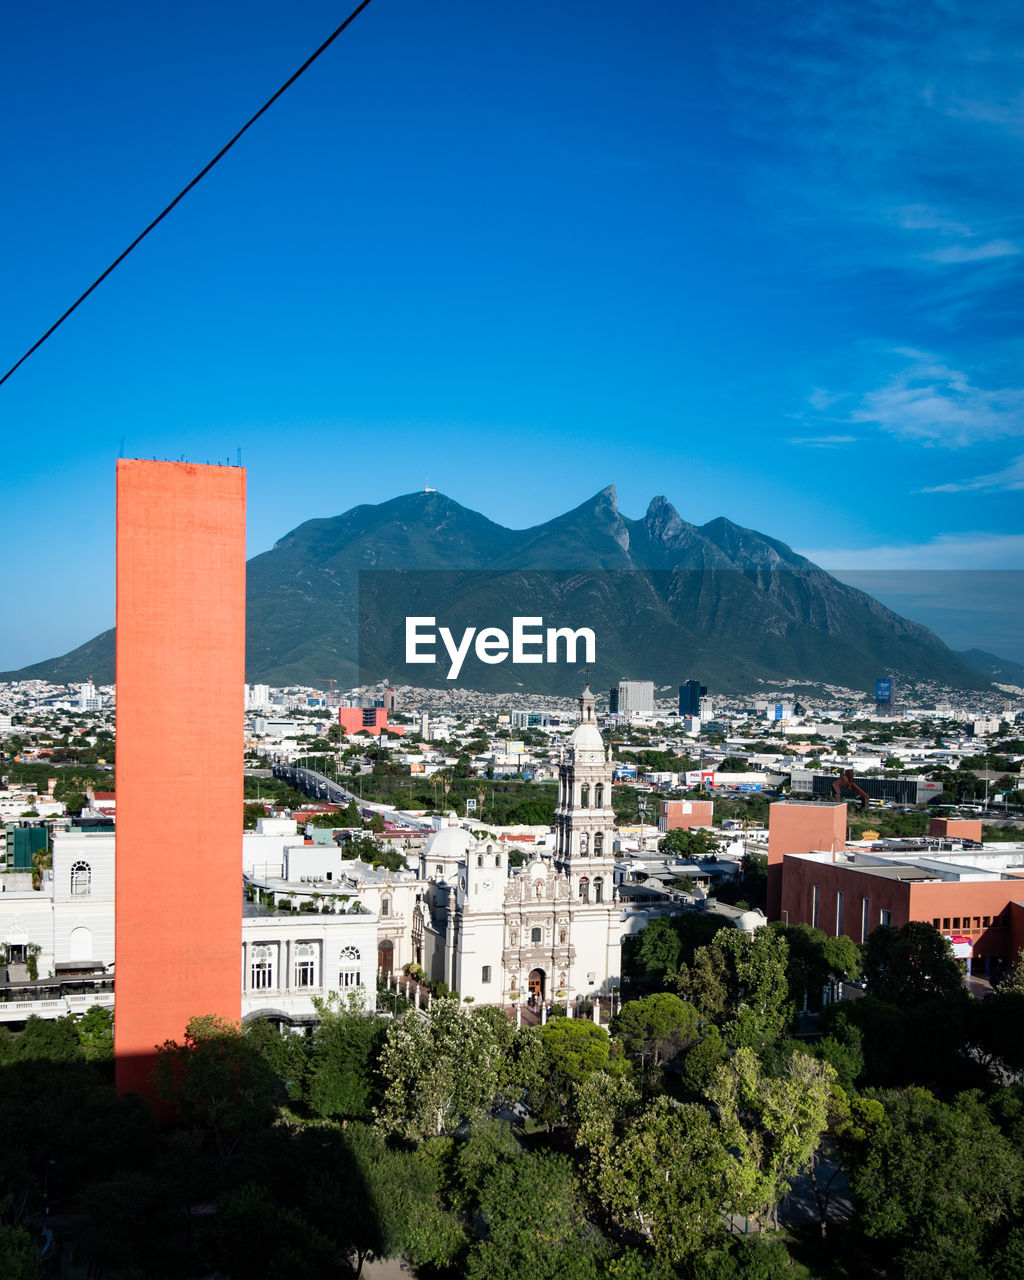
731	1121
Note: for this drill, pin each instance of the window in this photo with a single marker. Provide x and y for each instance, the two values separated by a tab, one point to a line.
864	920
584	890
305	964
945	923
81	880
985	920
385	906
261	969
598	890
599	796
485	973
839	914
585	796
536	935
349	975
935	922
479	859
598	844
885	917
814	907
439	870
956	923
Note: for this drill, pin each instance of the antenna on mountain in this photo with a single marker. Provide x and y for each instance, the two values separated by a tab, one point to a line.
427	488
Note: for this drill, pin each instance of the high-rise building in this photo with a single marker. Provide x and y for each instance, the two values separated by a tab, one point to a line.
180	682
690	695
636	699
613	700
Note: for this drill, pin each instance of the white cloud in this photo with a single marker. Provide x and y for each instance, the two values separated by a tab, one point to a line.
947	551
956	253
935	404
1007	480
920	217
820	399
823	442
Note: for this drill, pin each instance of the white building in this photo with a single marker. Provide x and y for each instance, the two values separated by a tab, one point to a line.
636	699
553	929
66	928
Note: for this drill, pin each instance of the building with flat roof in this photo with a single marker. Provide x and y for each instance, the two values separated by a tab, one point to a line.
180	703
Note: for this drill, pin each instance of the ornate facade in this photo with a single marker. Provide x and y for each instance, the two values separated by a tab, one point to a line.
552	929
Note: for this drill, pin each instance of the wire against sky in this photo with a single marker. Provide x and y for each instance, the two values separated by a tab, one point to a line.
185	190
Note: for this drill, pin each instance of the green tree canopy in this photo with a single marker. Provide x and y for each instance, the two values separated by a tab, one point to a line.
906	966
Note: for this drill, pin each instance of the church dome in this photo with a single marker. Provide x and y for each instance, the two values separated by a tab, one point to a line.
449	842
587	737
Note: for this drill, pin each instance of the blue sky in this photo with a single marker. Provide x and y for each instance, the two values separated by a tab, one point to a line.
765	260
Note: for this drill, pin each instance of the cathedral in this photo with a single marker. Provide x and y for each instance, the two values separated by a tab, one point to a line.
550	930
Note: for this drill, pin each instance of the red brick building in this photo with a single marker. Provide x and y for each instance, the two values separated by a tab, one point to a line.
686	814
821	882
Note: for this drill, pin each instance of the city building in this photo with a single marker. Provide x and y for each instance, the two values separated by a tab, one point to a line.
685	814
690	695
180	682
636	699
367	720
551	930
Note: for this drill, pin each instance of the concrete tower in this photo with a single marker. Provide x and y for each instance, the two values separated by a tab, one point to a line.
584	821
180	696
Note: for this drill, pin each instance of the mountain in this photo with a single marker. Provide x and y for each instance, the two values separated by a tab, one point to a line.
1003	670
667	600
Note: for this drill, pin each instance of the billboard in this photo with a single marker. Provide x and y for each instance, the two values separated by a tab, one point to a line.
883	690
624	772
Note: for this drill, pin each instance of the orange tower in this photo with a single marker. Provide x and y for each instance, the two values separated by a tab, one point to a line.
795	827
180	702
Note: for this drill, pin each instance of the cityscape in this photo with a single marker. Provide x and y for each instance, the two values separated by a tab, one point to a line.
660	915
512	692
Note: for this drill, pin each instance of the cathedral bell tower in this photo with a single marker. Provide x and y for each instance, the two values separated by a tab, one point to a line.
584	821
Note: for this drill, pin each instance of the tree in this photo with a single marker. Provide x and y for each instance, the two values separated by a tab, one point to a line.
665	1173
216	1081
658	948
689	844
572	1049
739	981
815	959
906	966
936	1182
660	1027
346	1045
252	813
773	1124
451	1067
530	1208
95	1030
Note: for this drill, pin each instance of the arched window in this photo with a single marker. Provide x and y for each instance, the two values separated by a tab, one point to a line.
306	964
349	976
81	880
262	967
598	843
599	796
599	890
584	844
80	944
584	889
585	796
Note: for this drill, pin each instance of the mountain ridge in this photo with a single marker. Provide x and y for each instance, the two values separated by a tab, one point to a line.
721	600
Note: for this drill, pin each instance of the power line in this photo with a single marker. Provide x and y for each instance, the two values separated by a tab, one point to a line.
185	190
